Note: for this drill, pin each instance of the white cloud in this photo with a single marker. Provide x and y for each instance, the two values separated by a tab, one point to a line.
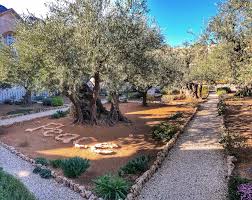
36	7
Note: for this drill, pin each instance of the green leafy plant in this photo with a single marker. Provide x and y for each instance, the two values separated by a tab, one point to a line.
57	101
134	166
231	141
222	108
233	184
12	189
45	173
56	163
42	161
176	116
37	170
223	90
111	187
163	132
74	167
59	114
47	101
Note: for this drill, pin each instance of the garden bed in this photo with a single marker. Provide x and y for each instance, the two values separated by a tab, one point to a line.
133	139
238	119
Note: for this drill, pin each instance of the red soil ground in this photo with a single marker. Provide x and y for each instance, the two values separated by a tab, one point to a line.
133	139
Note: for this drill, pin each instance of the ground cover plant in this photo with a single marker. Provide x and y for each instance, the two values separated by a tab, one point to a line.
163	132
235	189
12	189
59	114
111	187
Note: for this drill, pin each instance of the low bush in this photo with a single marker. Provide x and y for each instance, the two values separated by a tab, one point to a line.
231	142
134	95
47	101
74	167
233	187
111	187
37	170
8	102
163	132
59	114
44	173
222	108
134	166
244	92
56	163
42	161
12	189
19	111
176	116
223	90
57	101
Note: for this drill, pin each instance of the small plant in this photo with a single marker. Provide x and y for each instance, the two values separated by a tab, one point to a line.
56	163
176	116
111	187
235	187
47	101
42	161
45	173
138	164
57	101
8	102
222	108
74	167
163	132
231	141
59	114
37	170
223	90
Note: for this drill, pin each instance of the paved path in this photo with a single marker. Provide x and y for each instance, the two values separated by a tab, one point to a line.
43	189
195	168
22	118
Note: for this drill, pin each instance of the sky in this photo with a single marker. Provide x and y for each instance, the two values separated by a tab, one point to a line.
175	17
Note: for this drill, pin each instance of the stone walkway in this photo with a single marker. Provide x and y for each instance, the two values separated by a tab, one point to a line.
195	168
43	189
22	118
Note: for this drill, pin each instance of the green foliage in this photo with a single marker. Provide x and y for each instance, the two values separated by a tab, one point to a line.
137	165
223	90
231	142
56	163
205	91
57	101
176	116
74	167
221	106
44	173
19	111
47	101
59	114
42	161
244	92
12	189
111	187
163	132
233	184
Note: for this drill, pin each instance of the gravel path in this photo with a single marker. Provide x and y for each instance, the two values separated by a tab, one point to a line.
195	168
43	189
22	118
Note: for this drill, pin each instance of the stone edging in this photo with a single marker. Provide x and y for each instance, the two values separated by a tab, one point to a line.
161	155
32	112
86	194
230	160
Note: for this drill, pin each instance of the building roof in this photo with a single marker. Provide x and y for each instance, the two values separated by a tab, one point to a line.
2	8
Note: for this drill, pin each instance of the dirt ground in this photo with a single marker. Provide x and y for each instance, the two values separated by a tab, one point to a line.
133	138
239	120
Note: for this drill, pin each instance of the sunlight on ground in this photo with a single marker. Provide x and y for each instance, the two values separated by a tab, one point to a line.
23	173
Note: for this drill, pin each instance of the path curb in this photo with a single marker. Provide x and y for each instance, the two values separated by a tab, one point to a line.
161	155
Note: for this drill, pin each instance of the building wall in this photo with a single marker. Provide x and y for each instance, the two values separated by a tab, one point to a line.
8	22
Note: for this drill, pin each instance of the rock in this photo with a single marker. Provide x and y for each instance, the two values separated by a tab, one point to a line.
92	197
59	179
88	193
82	188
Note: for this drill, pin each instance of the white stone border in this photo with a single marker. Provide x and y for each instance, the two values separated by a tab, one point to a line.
161	155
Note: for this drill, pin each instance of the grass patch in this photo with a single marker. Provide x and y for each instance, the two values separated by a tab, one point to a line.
12	189
19	111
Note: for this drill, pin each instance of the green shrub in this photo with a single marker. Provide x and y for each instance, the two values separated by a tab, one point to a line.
37	170
74	167
56	163
12	189
222	108
59	114
42	161
163	132
19	111
231	142
233	184
205	91
223	90
111	187
47	101
176	116
57	101
138	164
45	173
244	92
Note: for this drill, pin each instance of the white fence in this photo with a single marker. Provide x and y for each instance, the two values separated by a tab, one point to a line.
16	94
